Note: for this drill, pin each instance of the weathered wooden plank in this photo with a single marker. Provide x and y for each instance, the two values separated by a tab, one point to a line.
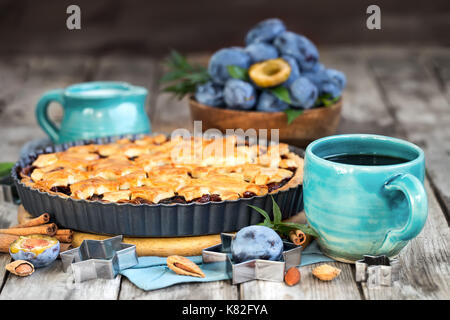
51	283
364	110
42	74
216	290
411	90
13	75
425	262
25	79
152	27
171	114
7	218
440	64
343	287
13	138
421	110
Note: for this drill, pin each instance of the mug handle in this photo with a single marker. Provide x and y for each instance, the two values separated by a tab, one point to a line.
416	196
42	115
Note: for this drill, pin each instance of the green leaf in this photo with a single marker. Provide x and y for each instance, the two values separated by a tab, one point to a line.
326	100
197	77
266	224
177	60
282	93
182	77
262	211
180	89
292	114
5	168
276	212
303	227
172	75
282	228
237	72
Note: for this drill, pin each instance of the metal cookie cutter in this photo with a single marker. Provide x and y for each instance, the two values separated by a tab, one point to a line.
377	271
99	259
257	269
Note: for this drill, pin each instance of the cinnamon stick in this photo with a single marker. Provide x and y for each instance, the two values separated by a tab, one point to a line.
64	247
64	231
298	237
42	219
45	229
6	240
64	235
66	238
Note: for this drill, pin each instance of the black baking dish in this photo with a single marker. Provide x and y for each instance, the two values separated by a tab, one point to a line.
145	220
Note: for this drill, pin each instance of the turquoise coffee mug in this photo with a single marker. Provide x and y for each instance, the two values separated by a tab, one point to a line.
95	109
364	209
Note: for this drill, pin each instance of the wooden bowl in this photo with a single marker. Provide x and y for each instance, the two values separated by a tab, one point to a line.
309	126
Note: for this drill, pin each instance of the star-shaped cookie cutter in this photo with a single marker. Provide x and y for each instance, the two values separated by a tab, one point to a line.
99	259
377	271
256	269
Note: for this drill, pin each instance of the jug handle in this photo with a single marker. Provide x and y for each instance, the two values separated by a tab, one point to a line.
42	112
416	197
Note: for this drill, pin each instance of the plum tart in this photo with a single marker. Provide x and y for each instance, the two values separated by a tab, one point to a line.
158	170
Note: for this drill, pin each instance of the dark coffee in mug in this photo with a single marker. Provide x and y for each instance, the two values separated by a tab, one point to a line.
365	159
364	195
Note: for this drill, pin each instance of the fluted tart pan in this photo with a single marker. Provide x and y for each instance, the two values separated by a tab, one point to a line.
151	220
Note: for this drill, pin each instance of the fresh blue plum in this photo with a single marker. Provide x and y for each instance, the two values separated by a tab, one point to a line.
256	242
329	81
210	94
299	47
265	31
295	70
317	77
219	61
331	89
303	93
239	94
261	51
268	102
316	68
337	77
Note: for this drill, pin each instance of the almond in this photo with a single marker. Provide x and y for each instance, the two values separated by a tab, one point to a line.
325	272
292	276
24	269
184	266
20	268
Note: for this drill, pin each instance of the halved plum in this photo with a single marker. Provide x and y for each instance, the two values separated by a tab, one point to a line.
38	249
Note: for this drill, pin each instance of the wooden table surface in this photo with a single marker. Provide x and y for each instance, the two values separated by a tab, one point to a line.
401	92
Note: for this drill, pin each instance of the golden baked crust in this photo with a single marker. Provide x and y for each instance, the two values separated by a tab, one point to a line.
154	170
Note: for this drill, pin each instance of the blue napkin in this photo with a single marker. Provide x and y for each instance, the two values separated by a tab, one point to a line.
152	272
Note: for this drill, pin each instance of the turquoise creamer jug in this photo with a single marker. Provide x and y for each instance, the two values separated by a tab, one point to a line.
95	109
